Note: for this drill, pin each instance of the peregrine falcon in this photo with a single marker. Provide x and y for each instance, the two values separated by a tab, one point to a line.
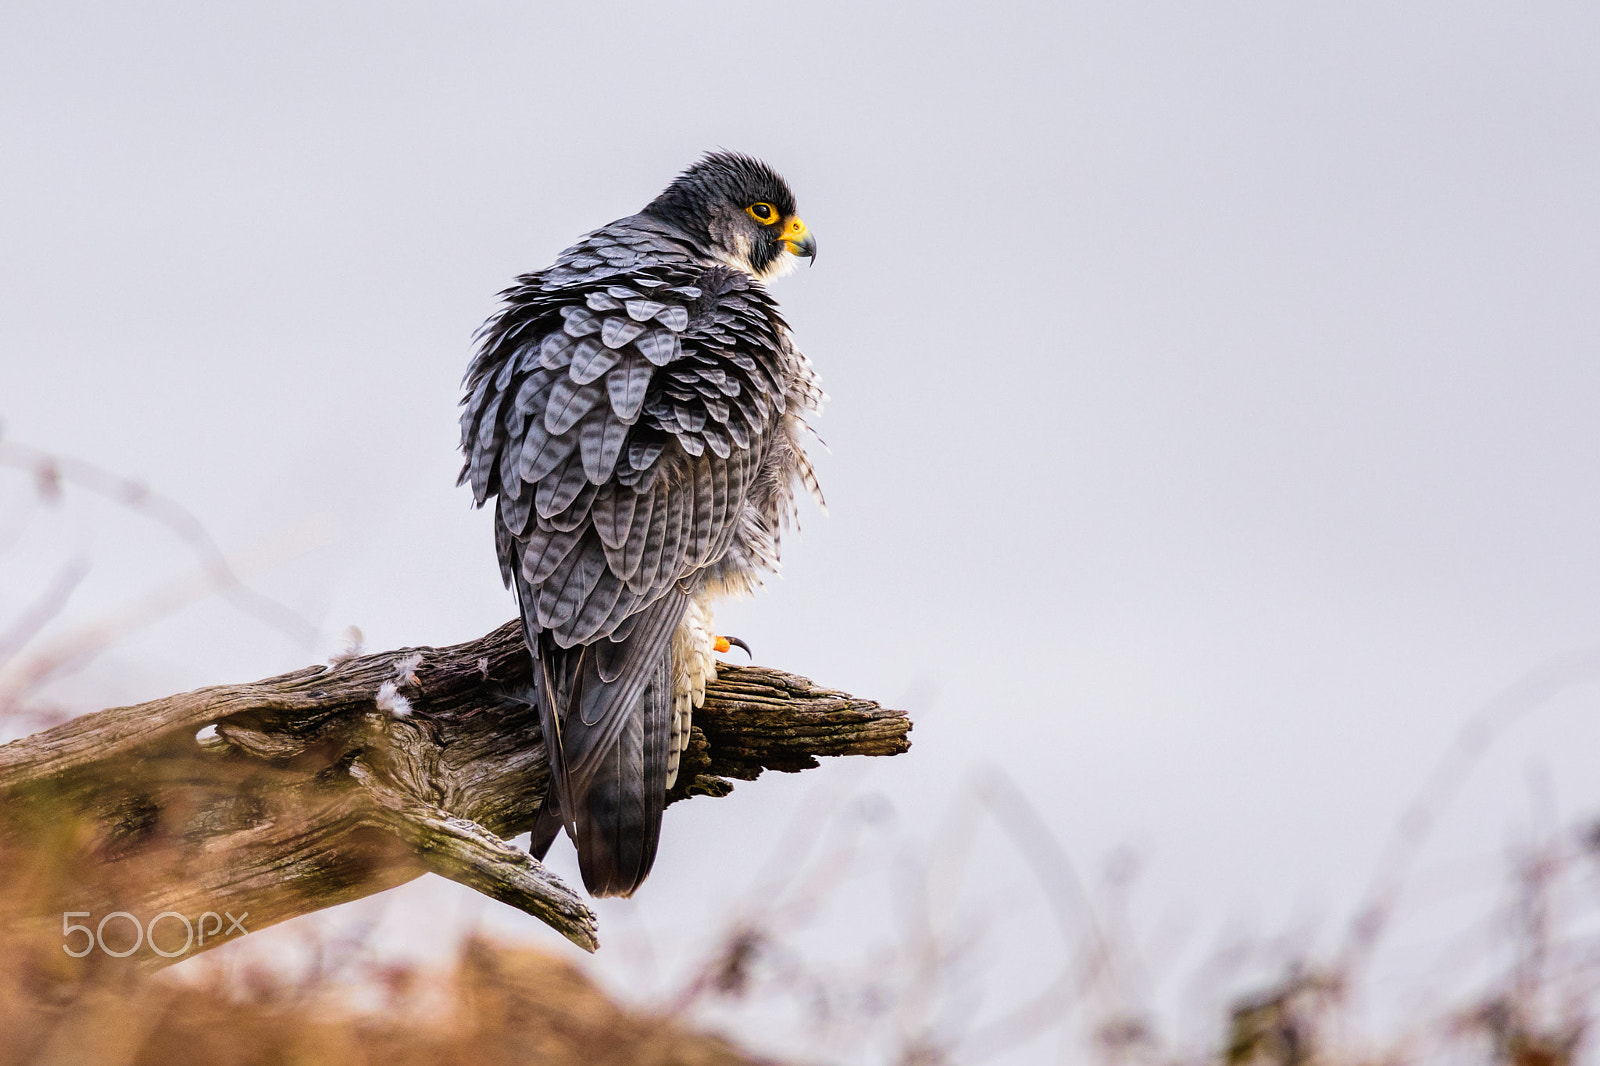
636	409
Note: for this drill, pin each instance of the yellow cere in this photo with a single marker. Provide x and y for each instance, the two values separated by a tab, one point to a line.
794	232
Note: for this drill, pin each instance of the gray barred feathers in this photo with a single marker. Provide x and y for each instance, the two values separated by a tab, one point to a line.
636	413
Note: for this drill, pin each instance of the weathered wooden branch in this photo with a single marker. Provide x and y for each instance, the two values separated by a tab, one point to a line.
324	785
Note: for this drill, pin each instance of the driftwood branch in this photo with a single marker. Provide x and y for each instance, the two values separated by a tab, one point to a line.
324	785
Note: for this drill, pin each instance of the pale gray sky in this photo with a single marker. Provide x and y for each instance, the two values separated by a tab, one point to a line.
1214	385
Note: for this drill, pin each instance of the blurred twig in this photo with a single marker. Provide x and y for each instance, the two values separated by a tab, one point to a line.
1416	824
38	614
51	472
26	675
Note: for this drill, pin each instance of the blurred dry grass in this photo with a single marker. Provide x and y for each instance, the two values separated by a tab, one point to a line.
502	1004
497	1005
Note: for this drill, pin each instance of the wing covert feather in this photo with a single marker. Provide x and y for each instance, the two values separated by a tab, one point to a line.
621	420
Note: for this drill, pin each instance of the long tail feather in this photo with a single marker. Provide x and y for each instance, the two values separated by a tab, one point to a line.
608	760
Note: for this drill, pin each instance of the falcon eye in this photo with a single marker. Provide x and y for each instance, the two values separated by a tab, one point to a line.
765	214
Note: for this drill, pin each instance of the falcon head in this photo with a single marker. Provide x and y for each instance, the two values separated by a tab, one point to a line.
739	211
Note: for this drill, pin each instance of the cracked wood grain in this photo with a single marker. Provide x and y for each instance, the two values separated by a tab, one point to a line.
330	783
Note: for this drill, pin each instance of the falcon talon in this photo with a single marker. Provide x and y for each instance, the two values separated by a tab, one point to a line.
723	645
635	412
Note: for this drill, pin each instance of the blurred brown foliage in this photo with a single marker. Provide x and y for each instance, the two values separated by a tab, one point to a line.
497	1005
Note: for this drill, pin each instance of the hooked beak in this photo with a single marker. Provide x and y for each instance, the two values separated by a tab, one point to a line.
799	240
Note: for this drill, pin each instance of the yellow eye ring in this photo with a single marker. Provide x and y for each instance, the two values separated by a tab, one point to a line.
763	213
